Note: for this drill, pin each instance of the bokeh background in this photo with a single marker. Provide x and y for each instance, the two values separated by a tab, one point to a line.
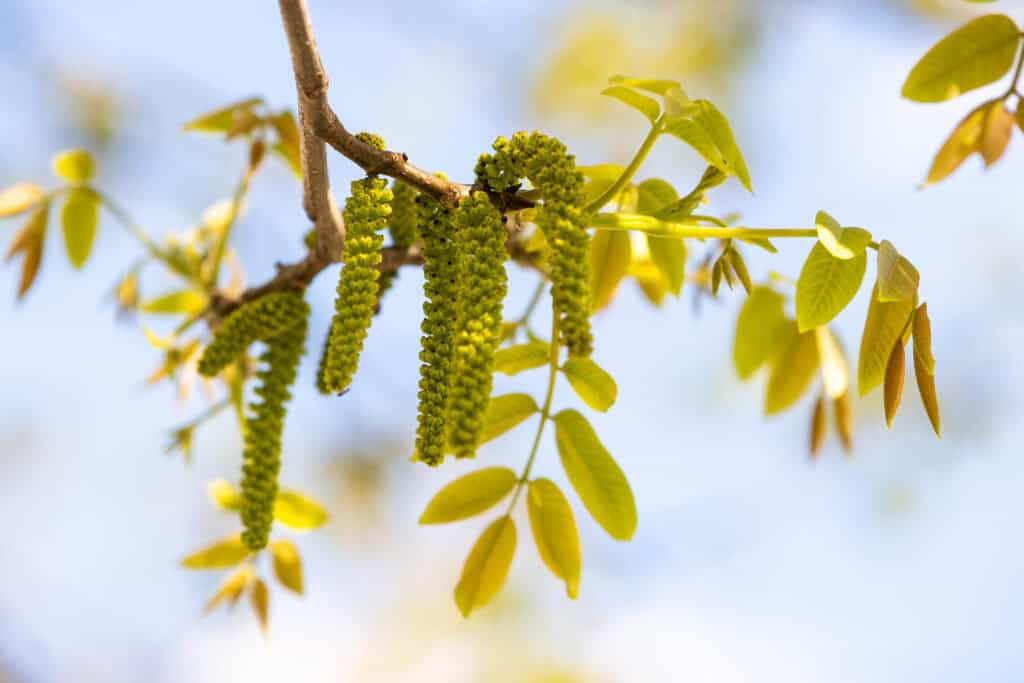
750	563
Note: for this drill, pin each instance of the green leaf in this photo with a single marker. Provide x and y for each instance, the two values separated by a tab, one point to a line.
297	511
826	285
610	253
75	166
653	194
706	129
590	382
883	327
183	301
597	478
759	328
505	412
512	360
222	120
609	172
793	368
287	145
485	569
843	243
974	55
19	198
656	86
469	495
897	277
227	552
78	218
554	531
642	103
224	495
681	208
287	565
668	254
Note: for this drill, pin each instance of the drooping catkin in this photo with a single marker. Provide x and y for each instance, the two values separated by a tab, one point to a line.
256	320
482	286
441	275
552	170
401	226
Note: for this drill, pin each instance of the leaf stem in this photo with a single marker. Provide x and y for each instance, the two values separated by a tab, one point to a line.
131	226
236	202
629	171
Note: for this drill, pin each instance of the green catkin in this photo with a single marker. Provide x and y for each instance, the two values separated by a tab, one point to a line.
552	170
401	226
441	264
279	320
481	292
366	212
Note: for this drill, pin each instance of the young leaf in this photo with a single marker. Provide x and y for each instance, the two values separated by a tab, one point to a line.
183	301
259	598
224	495
995	135
739	267
287	565
231	588
711	178
29	242
610	253
221	120
759	327
883	327
469	495
78	219
227	552
590	382
74	165
843	413
843	243
654	194
505	412
487	566
974	55
965	140
647	106
826	285
512	360
819	425
287	145
597	478
834	371
924	367
297	511
897	277
554	531
650	280
19	198
706	129
895	370
793	369
668	254
656	86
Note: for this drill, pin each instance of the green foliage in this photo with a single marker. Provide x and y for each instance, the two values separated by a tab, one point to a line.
554	531
590	382
826	285
469	495
883	328
506	412
485	569
760	325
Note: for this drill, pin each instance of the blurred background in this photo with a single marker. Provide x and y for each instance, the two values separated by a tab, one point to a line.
751	562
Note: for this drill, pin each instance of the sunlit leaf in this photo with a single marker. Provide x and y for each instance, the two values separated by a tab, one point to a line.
656	86
843	243
75	166
649	278
668	254
232	587
18	198
897	277
183	301
590	382
595	476
653	194
469	495
609	261
297	511
485	569
505	412
287	145
759	327
554	531
974	55
995	135
985	130
227	552
924	367
826	285
512	360
647	106
224	495
843	414
819	425
706	130
221	120
28	241
78	219
792	369
835	373
287	565
259	598
883	327
895	370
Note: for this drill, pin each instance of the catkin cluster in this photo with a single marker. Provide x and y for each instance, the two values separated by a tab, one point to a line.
545	162
279	320
401	226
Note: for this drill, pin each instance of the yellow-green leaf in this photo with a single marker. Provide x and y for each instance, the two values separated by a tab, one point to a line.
668	254
590	382
961	143
654	194
793	368
759	327
222	120
995	135
835	373
923	339
227	552
485	569
287	565
259	598
650	280
843	243
297	511
705	128
597	478
897	277
656	86
926	389
974	55
554	531
505	412
883	327
75	166
183	301
18	198
647	106
895	370
469	495
29	241
224	495
826	285
231	588
512	360
288	141
610	253
78	219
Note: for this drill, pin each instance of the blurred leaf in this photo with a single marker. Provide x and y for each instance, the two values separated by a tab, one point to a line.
75	166
287	565
924	367
610	253
897	277
894	373
183	301
222	120
78	219
29	241
287	145
819	425
649	278
231	588
985	130
793	369
597	478
843	243
505	412
826	286
668	254
653	194
512	360
843	412
487	566
995	135
297	511
259	598
642	103
834	371
469	495
706	130
224	495
759	328
974	55
227	552
554	531
590	382
883	327
656	86
739	267
18	198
